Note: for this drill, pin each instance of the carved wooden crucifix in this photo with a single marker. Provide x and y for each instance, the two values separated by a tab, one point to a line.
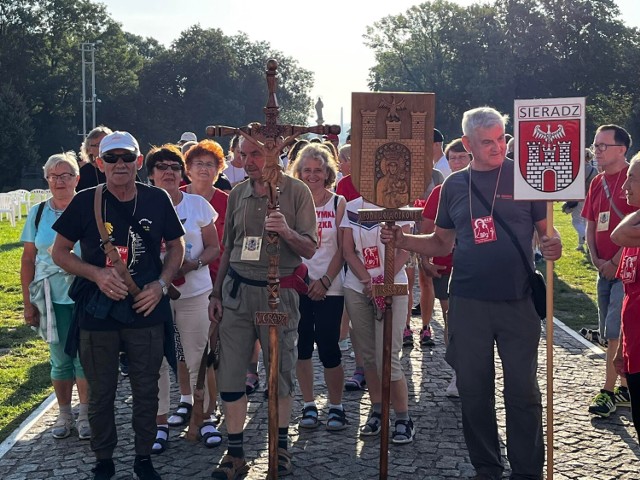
272	138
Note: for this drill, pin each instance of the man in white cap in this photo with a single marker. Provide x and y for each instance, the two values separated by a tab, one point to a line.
187	137
107	318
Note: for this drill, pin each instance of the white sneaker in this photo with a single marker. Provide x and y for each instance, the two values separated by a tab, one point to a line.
344	345
452	389
62	427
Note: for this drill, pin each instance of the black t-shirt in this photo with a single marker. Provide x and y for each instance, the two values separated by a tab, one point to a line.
491	271
90	176
154	211
223	183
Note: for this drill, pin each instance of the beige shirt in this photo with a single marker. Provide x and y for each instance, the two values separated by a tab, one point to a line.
246	214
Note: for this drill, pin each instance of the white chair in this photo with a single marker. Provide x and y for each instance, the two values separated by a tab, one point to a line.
38	195
21	197
7	208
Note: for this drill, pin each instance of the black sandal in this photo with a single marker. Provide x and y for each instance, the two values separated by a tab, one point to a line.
309	417
183	412
337	420
161	441
213	435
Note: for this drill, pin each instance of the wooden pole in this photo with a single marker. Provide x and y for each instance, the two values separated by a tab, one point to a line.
388	290
550	233
389	260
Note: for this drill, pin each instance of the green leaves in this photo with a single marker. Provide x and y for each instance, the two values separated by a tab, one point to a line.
203	78
495	53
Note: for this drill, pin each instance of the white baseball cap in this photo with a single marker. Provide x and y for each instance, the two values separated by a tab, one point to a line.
188	137
117	140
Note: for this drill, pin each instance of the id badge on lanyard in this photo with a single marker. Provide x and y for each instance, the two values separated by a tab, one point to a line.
251	249
484	230
603	221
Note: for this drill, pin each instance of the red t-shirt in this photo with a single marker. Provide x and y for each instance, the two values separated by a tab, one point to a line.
430	211
596	205
630	323
346	189
219	203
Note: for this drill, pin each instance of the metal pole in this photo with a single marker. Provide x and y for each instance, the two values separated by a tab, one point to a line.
84	93
93	86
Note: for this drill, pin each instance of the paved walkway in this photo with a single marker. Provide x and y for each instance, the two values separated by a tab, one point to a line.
585	448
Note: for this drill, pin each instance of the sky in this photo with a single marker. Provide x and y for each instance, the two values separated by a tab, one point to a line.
325	37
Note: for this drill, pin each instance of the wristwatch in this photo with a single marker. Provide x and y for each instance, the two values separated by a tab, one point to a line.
165	287
200	264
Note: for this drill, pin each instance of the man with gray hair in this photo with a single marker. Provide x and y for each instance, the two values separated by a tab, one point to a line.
490	298
120	302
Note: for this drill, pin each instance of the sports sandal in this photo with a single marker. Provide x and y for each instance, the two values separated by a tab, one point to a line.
337	420
403	432
211	437
309	417
230	468
181	416
356	382
373	425
161	441
284	462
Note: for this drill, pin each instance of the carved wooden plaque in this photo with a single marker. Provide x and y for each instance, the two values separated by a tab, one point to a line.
391	152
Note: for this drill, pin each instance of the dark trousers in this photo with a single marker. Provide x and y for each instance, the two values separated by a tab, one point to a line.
320	324
513	326
633	381
99	357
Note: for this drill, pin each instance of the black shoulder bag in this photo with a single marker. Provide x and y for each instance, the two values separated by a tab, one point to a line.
536	280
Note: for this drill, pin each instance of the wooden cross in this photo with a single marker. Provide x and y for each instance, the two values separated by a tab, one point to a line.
272	138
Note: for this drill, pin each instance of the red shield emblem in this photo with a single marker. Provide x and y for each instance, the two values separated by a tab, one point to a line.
549	153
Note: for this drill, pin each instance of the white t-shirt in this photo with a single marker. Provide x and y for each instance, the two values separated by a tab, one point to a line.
195	213
234	174
369	248
327	245
443	166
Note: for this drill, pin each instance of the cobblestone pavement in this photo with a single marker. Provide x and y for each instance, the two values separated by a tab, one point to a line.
585	448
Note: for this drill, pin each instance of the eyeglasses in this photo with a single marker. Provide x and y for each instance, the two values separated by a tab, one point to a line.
65	177
176	167
204	165
113	157
602	147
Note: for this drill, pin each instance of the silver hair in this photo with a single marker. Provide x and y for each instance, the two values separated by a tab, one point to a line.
318	152
99	131
66	157
482	117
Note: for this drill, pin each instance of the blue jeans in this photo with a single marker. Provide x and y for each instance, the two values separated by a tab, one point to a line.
610	295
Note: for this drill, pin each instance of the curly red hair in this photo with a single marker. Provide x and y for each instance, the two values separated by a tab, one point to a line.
205	148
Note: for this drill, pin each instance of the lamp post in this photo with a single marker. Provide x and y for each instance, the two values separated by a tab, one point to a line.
88	62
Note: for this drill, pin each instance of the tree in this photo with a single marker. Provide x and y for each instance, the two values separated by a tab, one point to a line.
493	54
16	137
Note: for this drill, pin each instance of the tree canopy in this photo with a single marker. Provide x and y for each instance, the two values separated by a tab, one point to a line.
491	54
204	77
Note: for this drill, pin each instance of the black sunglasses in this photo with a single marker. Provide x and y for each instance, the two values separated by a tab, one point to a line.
176	167
113	157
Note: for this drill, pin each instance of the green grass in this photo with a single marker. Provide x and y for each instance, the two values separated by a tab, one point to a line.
575	279
24	359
